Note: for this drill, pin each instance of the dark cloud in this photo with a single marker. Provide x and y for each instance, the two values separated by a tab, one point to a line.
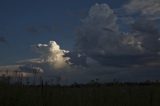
99	34
147	8
129	60
100	24
145	26
148	31
100	38
77	59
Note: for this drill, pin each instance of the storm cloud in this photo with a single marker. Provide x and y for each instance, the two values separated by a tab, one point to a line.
100	38
146	25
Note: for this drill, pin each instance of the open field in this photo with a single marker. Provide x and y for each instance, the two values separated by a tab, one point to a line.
101	95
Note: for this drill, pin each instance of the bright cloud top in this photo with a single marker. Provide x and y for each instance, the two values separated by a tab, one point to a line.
53	54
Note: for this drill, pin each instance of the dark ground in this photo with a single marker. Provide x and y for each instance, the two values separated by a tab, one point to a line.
81	95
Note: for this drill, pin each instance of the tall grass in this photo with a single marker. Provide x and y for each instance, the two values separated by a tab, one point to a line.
86	95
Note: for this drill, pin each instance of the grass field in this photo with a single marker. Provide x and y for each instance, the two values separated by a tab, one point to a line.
113	95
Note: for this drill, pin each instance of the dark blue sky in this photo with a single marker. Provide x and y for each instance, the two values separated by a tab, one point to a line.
27	22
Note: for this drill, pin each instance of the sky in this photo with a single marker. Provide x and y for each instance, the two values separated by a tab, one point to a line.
24	23
106	35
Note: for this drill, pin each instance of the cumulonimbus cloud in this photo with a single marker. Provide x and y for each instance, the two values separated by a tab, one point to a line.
100	38
53	54
146	25
99	34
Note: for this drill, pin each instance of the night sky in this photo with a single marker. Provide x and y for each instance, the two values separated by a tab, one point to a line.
119	37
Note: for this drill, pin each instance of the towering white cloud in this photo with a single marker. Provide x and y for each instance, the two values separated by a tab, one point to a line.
56	57
53	54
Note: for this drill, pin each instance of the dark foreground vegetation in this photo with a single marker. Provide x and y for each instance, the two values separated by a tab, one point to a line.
93	94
